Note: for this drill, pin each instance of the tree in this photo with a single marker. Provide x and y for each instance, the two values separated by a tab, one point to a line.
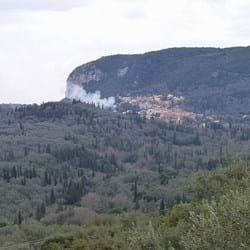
40	211
74	191
19	218
52	199
46	178
14	172
162	207
197	140
23	181
34	175
136	193
174	138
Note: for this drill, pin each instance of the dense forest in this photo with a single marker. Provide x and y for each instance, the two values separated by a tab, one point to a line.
76	176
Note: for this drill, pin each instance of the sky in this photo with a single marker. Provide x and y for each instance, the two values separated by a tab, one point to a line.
42	41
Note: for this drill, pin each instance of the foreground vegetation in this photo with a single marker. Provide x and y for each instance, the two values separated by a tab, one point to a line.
217	218
79	177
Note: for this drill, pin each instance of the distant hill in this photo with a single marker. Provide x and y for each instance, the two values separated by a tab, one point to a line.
211	80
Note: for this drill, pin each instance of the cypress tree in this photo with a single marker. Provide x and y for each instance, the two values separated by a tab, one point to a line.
52	197
19	218
162	207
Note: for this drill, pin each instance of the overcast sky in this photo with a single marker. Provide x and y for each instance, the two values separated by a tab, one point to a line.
42	41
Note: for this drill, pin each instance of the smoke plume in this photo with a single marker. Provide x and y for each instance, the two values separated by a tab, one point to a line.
75	92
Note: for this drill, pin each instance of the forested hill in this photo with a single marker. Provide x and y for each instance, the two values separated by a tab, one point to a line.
210	79
64	166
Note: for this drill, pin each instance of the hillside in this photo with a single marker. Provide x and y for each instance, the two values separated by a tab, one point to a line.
63	166
210	80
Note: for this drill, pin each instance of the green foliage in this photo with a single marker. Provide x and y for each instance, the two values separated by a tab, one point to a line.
77	174
178	213
220	225
147	238
215	184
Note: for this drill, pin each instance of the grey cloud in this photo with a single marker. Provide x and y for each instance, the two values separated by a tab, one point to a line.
42	4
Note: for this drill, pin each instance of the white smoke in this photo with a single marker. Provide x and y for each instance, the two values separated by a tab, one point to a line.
75	92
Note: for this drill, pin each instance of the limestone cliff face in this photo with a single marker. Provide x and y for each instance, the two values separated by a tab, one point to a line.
210	79
102	74
84	76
